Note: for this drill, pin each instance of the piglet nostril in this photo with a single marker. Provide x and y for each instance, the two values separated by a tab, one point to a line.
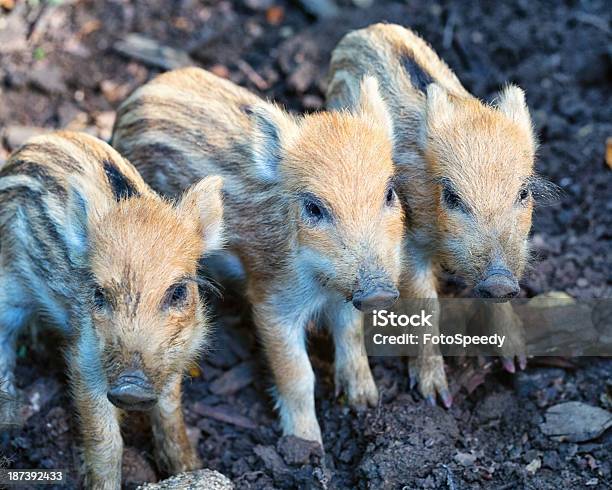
132	391
378	298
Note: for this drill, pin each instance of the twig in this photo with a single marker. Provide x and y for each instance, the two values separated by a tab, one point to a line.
34	24
252	75
450	481
152	53
594	21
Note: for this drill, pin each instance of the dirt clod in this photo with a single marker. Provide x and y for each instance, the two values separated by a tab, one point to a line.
576	421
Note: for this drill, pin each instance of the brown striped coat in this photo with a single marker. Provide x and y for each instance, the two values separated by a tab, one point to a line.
465	170
310	207
87	247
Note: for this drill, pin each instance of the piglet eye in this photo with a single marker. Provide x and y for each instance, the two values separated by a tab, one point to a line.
390	196
313	210
176	296
523	194
100	300
451	198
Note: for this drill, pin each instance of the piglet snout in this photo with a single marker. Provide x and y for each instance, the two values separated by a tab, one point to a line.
375	298
498	283
132	390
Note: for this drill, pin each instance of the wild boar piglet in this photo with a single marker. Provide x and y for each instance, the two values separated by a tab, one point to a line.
465	172
88	248
311	212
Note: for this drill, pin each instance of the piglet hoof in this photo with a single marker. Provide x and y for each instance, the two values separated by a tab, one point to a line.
427	372
302	425
509	363
188	462
308	432
358	385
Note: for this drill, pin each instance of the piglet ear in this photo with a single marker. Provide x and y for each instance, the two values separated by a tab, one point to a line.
77	225
272	129
438	111
372	103
87	203
439	105
511	102
204	202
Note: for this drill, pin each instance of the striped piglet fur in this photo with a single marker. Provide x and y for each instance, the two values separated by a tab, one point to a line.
88	248
465	175
310	207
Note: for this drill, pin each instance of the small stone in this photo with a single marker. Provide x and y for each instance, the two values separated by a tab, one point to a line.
534	466
13	33
576	421
48	78
192	480
465	459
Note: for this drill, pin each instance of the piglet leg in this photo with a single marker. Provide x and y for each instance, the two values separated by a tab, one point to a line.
285	344
352	370
427	369
505	322
14	315
175	453
102	442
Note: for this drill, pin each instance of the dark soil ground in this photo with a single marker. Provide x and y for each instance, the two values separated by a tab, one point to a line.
59	68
